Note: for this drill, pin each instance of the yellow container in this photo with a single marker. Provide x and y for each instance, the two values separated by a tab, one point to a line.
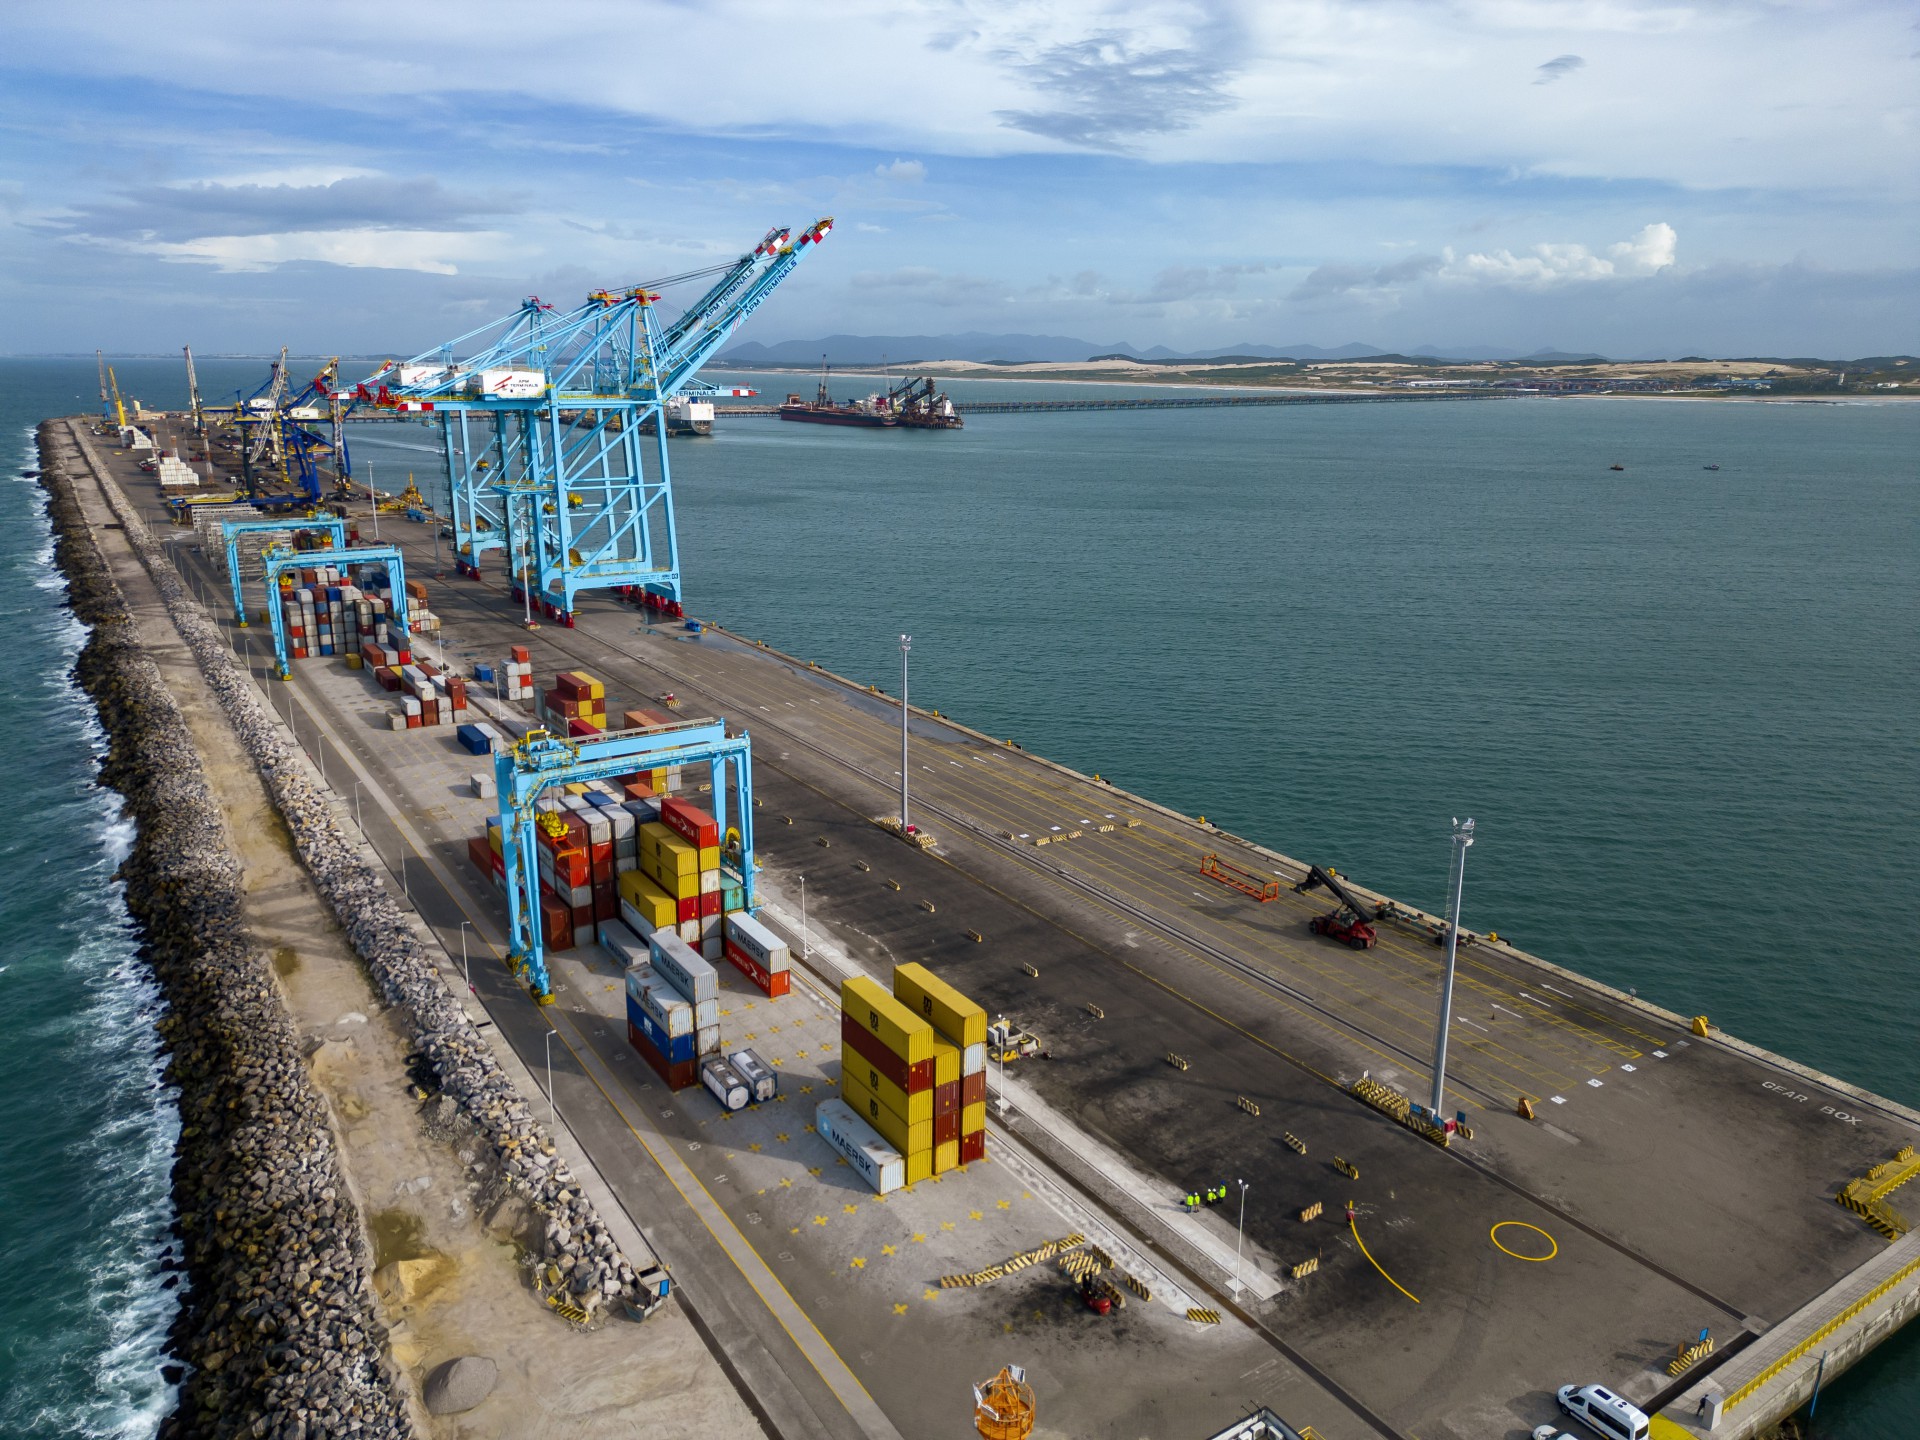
895	1026
946	1156
946	1062
938	1003
919	1166
675	857
493	836
355	661
911	1108
653	832
904	1135
973	1118
709	857
648	898
574	787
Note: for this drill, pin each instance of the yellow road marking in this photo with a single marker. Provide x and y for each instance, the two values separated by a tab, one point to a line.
1376	1264
1553	1244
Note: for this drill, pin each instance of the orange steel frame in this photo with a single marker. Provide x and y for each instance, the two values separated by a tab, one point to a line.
1234	877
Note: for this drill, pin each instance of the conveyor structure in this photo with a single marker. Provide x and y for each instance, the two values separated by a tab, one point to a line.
279	561
543	416
541	761
232	530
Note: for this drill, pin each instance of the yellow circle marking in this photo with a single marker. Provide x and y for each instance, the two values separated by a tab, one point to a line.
1494	1235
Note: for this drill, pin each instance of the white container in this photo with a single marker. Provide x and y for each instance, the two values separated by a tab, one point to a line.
706	1014
973	1059
757	1073
876	1162
756	940
709	881
708	1041
689	931
712	927
508	384
483	785
714	949
627	948
675	959
415	375
725	1084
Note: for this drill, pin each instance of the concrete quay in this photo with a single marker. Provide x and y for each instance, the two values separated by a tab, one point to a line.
1670	1183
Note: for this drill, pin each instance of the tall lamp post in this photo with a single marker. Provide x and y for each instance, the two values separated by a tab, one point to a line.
1462	838
906	644
1240	1236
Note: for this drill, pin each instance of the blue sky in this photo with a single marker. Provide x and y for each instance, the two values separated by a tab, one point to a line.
1629	176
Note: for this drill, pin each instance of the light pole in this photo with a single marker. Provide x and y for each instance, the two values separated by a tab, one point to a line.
356	809
906	644
553	1110
1241	1236
806	946
1462	838
466	966
373	501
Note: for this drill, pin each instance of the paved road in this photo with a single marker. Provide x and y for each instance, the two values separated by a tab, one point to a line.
1680	1183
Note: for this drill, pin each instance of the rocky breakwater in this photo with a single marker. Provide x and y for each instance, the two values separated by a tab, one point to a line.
582	1262
277	1331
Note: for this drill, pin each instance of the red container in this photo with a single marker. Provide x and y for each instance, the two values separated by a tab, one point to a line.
973	1147
637	789
946	1127
973	1089
606	902
583	917
570	867
562	705
946	1101
688	909
519	654
413	722
481	853
678	1077
580	728
774	982
689	822
710	903
556	924
910	1078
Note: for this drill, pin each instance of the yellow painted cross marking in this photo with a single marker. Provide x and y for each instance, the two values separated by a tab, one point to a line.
919	1239
806	1089
1026	1195
899	1309
859	1262
946	1224
841	1161
888	1249
785	1181
1006	1327
801	1053
755	1147
779	1059
774	1031
781	1137
751	1035
749	1004
726	1012
975	1215
811	1130
849	1209
794	1231
1002	1204
931	1295
819	1219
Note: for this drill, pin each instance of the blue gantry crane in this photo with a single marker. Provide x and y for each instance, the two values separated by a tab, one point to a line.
281	442
232	530
543	414
279	561
540	761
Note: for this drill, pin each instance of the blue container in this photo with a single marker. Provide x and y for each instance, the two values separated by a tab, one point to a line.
605	802
676	1051
693	627
483	672
474	740
645	812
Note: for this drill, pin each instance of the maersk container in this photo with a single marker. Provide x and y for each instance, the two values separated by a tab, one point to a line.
674	1049
725	1083
675	959
706	1013
757	1073
652	994
872	1159
758	941
627	948
707	1040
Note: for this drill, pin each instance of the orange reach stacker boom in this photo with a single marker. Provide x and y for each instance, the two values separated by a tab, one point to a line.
1349	922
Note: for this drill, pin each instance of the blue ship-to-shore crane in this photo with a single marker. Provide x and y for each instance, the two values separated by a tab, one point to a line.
232	530
279	561
542	415
541	761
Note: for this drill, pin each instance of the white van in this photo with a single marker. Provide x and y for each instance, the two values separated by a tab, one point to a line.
1603	1411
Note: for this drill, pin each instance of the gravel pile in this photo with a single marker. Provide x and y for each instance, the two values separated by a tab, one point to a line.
576	1242
277	1329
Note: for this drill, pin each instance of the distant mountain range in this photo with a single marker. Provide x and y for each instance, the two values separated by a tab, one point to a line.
984	348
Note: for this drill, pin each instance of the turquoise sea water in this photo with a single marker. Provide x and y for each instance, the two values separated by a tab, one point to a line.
1680	704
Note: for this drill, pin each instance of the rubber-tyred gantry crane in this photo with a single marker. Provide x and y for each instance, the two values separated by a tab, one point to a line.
544	414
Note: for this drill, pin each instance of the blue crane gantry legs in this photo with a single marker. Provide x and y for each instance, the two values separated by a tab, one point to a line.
541	761
280	561
546	419
232	530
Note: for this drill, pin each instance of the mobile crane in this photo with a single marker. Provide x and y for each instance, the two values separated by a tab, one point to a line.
1350	923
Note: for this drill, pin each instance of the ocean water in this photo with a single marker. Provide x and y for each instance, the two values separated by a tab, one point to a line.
1679	703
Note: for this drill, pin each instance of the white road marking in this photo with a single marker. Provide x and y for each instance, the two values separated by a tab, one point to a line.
1557	990
1659	1054
1628	1068
1594	1083
1461	1020
1515	1013
1558	1099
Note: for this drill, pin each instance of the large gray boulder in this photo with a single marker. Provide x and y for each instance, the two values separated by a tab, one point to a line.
458	1385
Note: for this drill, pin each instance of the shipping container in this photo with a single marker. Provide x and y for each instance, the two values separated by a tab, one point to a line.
662	1002
897	1130
946	1156
946	1128
626	948
973	1117
946	1098
912	1107
973	1146
870	1157
911	1076
946	1063
752	935
675	960
938	1003
760	1076
973	1089
973	1061
678	1076
692	824
899	1029
775	983
648	900
724	1083
707	1037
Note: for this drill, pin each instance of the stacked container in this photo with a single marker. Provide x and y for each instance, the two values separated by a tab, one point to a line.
664	778
577	704
673	1010
757	952
887	1072
678	856
960	1064
519	674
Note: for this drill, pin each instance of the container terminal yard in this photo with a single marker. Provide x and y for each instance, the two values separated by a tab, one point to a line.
1211	1195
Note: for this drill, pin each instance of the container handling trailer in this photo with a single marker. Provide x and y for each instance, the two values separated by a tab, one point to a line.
1350	923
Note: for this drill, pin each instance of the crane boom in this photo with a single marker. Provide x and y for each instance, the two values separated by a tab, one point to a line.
193	392
1317	876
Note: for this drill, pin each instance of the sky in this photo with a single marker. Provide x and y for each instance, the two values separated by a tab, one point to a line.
1634	177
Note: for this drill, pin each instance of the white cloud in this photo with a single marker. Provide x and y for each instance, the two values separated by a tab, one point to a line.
1550	264
430	251
902	172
